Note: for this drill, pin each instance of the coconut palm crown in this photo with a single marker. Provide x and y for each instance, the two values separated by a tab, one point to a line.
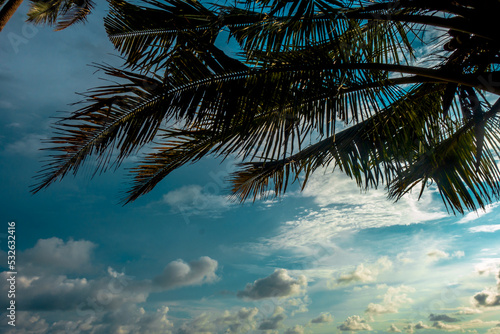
400	94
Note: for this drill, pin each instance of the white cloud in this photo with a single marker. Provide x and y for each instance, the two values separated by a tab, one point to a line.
196	200
471	216
278	284
421	325
485	228
437	254
341	207
363	273
446	327
393	299
179	273
355	323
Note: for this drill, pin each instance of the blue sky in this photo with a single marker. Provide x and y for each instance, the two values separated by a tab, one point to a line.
185	259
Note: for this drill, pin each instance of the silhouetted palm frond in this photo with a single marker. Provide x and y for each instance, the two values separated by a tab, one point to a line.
304	84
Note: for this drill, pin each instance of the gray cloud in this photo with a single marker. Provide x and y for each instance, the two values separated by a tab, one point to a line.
273	322
324	317
53	255
489	298
355	323
278	284
59	292
442	317
394	329
179	273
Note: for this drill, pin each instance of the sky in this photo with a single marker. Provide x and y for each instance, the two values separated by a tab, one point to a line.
185	259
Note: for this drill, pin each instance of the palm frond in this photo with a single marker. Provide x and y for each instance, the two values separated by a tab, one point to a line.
59	13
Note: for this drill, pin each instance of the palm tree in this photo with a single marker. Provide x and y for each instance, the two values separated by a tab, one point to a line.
402	94
58	13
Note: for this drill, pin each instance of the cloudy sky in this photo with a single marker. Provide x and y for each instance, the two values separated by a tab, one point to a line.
184	259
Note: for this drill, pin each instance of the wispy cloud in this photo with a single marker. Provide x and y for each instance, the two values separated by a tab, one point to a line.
485	228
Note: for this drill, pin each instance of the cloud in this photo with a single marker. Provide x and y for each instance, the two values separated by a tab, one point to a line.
485	228
393	299
29	146
447	327
421	325
339	206
196	200
273	322
437	254
179	273
489	297
58	292
278	284
477	214
355	323
56	256
468	311
297	329
394	329
362	273
442	317
323	318
242	320
239	321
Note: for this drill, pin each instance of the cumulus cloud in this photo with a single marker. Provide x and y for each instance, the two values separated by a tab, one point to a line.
275	321
393	299
323	318
442	317
489	297
364	273
58	292
446	327
297	329
179	273
128	319
421	325
278	284
355	323
394	329
236	322
56	256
